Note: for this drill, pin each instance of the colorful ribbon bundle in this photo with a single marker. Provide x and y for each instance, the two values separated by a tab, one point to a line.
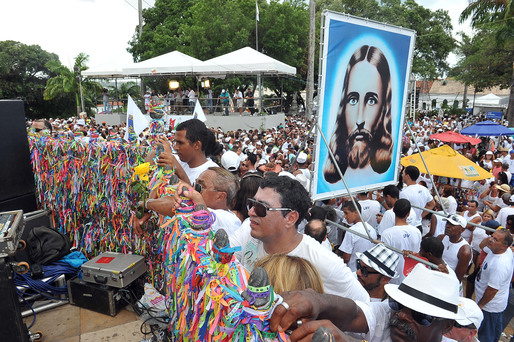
203	295
87	189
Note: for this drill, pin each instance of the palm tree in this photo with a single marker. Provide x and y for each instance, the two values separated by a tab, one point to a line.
68	81
499	13
129	88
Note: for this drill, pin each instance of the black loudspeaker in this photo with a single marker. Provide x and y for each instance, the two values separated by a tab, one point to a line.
12	327
16	178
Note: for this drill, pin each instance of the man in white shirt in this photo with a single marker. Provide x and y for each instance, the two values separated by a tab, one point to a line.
318	230
421	309
370	209
391	194
215	188
402	236
416	194
352	243
493	282
275	212
193	143
505	212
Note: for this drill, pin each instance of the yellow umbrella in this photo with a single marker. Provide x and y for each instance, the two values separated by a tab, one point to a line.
445	161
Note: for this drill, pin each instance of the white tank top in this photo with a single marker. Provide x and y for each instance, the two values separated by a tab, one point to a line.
451	250
466	234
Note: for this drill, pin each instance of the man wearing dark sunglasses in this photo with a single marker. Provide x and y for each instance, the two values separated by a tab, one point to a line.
421	309
277	208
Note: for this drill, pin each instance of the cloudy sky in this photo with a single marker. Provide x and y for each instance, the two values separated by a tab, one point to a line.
102	28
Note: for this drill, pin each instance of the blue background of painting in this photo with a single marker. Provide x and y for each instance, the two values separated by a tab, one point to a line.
344	38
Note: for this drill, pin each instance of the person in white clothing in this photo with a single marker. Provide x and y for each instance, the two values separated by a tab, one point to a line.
472	215
370	209
448	194
465	328
457	252
402	236
352	243
437	224
391	194
214	190
421	309
275	211
416	194
375	268
493	282
193	143
505	212
318	230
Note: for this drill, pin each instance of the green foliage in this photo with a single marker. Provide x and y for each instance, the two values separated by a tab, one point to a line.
66	82
23	75
434	40
484	63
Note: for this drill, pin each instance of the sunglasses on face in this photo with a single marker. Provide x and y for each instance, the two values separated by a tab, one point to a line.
364	270
262	209
420	318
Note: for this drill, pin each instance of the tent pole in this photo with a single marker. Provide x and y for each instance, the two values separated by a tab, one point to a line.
425	164
376	242
439	214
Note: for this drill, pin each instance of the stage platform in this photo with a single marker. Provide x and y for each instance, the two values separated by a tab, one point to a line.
227	123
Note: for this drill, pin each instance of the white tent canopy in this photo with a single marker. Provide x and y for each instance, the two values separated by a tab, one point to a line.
109	69
172	63
245	61
492	100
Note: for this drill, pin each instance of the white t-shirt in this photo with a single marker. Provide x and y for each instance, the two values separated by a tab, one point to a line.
377	317
404	238
388	220
453	205
353	243
194	172
336	276
503	214
417	195
466	234
440	225
496	272
370	209
225	219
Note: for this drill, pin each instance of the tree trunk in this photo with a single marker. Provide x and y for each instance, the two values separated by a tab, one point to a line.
310	62
510	109
465	97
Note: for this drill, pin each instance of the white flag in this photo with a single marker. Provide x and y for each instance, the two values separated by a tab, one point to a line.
136	122
198	112
256	11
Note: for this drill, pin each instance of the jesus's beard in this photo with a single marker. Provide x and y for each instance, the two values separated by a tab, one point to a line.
358	148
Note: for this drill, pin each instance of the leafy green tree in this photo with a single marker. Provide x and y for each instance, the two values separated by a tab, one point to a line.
67	82
498	16
23	75
129	88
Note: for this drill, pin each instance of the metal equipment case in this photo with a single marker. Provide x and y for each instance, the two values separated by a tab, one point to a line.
113	269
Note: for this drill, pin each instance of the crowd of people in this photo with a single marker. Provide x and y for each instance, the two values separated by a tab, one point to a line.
257	183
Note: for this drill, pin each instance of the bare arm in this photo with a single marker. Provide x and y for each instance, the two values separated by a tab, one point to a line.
430	205
464	256
346	257
488	295
309	305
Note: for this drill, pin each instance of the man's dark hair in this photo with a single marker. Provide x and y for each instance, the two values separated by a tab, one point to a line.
318	233
391	190
402	208
197	131
48	125
292	194
317	213
349	205
252	158
473	201
507	236
412	171
433	245
447	190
